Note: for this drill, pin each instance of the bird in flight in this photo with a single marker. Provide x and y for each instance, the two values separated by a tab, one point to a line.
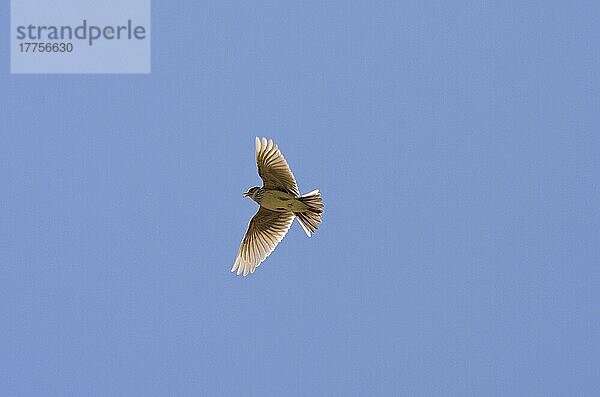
279	203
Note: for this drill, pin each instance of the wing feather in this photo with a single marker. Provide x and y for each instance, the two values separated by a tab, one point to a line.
273	169
265	230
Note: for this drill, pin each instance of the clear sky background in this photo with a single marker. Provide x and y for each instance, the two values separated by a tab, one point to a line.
457	150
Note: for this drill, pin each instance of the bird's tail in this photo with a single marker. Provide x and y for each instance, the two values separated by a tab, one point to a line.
311	218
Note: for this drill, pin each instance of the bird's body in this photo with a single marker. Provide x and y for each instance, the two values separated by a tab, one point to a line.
280	202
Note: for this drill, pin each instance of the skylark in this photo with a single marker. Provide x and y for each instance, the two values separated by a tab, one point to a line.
279	203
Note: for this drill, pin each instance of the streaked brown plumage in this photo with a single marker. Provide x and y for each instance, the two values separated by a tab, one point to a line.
280	202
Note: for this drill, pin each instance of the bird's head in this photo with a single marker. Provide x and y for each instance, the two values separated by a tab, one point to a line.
251	192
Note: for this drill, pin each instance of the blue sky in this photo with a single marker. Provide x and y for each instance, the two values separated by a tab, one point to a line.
456	146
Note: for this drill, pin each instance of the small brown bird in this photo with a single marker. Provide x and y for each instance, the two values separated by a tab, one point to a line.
280	202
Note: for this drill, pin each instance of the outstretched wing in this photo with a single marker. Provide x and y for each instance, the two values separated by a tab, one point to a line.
265	230
273	169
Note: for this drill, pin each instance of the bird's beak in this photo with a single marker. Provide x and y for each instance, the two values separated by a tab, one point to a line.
246	194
